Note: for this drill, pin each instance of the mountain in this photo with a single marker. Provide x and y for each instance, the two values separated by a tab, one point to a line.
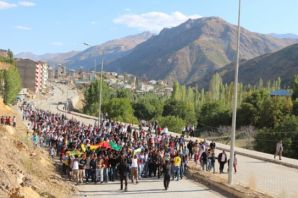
283	64
113	50
287	36
51	58
193	49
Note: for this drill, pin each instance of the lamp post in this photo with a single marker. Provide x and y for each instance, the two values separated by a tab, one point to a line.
232	147
100	91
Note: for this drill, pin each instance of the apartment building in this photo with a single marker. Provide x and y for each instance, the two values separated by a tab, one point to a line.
34	75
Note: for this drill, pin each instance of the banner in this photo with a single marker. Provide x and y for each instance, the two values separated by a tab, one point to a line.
115	146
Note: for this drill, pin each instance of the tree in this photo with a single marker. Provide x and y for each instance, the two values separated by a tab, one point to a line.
92	96
148	108
294	86
212	115
179	109
215	86
173	123
273	111
247	115
12	84
120	109
287	131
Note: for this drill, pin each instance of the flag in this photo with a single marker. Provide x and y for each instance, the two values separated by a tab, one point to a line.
94	147
115	146
104	144
136	151
83	147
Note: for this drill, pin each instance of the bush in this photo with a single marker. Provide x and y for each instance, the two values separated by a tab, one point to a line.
120	109
173	123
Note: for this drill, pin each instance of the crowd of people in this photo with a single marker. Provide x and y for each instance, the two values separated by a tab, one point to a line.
8	120
92	153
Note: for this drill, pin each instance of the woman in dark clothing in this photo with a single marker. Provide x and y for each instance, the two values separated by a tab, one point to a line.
167	174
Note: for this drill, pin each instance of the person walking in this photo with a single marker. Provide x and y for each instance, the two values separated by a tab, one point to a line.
177	164
52	152
166	174
279	149
134	169
222	159
123	170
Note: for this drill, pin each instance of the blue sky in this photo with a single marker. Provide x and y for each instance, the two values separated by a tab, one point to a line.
42	26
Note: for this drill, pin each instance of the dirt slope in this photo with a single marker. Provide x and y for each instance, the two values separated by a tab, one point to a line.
25	171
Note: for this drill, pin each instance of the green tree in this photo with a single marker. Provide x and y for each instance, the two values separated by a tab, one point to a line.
148	108
174	124
294	86
213	114
247	115
179	109
92	96
287	131
12	84
120	109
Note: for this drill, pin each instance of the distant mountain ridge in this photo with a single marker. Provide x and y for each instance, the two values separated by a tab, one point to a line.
287	36
268	67
113	50
86	59
192	50
51	58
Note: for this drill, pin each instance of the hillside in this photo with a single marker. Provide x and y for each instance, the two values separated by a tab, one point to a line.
193	49
283	64
113	50
26	172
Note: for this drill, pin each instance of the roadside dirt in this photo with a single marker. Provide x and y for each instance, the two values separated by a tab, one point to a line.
26	172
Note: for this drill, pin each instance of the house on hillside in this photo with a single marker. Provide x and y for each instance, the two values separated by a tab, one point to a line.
281	93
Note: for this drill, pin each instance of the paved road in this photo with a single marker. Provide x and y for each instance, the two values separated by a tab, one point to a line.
147	189
270	178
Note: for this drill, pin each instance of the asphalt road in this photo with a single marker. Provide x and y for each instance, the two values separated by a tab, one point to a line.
148	188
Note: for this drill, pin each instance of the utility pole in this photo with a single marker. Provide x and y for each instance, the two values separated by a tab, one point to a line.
232	148
100	96
100	91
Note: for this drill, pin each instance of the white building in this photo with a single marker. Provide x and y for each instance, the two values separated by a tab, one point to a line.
146	87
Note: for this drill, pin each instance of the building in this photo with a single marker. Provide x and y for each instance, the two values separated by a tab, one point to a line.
281	93
44	75
34	75
146	87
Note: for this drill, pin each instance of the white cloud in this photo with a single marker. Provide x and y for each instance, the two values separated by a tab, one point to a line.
26	3
153	21
22	27
57	43
6	5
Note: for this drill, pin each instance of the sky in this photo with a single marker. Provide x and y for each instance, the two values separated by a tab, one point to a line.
49	26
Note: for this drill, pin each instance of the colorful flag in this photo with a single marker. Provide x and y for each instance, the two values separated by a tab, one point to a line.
137	151
115	146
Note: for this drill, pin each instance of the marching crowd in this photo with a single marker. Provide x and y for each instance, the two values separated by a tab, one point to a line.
117	151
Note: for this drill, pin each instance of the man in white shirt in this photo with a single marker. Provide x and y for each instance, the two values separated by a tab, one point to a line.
75	169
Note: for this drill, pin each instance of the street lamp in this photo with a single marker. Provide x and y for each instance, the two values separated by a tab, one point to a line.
100	91
232	147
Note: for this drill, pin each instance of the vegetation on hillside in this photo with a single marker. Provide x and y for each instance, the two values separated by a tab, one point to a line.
10	79
273	117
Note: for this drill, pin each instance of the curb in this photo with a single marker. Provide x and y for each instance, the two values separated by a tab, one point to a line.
262	158
224	188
